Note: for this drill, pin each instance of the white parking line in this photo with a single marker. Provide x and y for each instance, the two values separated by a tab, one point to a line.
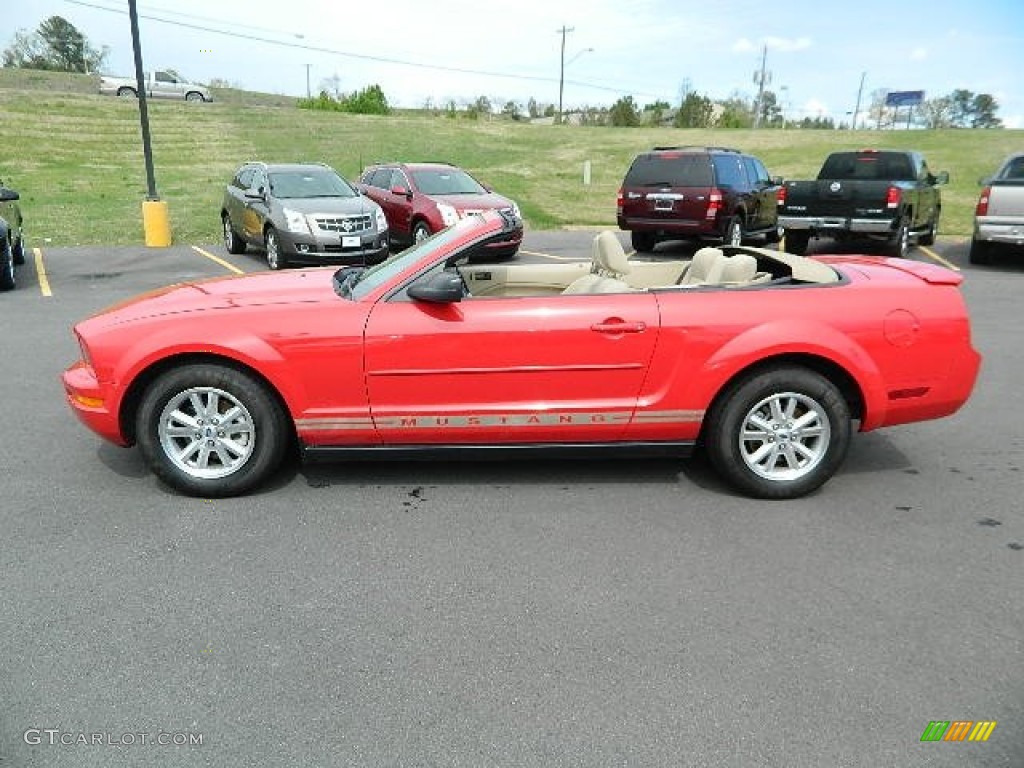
227	265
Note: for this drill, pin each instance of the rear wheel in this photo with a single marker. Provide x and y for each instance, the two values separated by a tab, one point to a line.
980	253
899	244
642	242
7	281
275	259
232	241
733	232
796	241
779	433
210	430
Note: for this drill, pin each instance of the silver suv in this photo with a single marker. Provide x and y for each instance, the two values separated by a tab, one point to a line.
302	213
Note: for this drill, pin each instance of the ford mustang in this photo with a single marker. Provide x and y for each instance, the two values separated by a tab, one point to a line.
768	361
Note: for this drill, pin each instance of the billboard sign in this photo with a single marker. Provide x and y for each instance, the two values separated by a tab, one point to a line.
904	98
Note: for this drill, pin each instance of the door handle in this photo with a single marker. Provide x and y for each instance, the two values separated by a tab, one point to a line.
619	327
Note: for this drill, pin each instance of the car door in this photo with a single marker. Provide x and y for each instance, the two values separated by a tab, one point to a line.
564	369
256	211
765	194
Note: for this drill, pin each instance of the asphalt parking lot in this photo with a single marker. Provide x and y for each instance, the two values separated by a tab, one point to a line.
590	613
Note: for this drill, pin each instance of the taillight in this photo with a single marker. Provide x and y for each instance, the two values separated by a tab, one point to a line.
714	204
892	197
780	197
618	201
982	207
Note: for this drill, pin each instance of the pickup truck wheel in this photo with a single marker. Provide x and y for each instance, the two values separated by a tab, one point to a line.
980	253
210	430
194	96
928	237
796	241
232	241
275	259
642	242
900	242
18	251
774	235
126	92
779	433
7	281
733	232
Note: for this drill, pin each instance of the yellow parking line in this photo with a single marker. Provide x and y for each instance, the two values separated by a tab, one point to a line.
228	266
44	281
935	257
551	256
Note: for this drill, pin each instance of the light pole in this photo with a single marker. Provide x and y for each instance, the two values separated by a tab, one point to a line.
564	64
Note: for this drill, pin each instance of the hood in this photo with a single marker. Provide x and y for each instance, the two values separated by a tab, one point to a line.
473	202
345	206
224	293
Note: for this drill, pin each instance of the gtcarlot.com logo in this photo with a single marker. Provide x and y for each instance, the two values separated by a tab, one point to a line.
958	730
56	737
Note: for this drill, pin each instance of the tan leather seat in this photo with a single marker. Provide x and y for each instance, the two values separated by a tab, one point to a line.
608	264
738	269
705	269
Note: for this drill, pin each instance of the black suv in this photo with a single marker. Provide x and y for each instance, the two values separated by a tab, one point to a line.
697	193
12	241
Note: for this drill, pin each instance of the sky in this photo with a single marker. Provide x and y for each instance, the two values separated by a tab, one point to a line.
818	55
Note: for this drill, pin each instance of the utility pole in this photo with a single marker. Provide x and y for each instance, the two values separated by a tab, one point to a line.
761	78
309	94
856	109
561	71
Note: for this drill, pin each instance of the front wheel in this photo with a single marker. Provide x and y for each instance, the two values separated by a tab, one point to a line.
126	93
275	259
18	251
733	232
194	96
928	237
420	232
209	430
780	433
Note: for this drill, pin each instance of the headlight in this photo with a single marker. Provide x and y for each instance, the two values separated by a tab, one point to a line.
515	210
382	222
296	221
448	214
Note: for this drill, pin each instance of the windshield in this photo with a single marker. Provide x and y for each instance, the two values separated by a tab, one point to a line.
356	286
447	181
291	185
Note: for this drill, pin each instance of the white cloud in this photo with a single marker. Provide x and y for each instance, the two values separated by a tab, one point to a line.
787	45
919	54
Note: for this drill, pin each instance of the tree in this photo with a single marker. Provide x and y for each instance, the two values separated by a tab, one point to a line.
984	108
512	110
369	101
623	112
771	112
695	112
56	45
737	112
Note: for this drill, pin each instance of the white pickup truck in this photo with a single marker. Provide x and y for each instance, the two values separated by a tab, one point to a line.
999	215
161	84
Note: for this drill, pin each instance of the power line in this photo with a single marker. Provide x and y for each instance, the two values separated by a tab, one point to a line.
348	54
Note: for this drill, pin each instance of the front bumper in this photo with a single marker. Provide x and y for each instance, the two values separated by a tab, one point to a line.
91	402
825	224
333	248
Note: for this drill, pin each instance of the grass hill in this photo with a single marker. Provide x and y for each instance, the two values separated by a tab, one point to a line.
76	156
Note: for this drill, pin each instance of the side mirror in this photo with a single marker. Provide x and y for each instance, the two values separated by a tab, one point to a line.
778	181
438	288
259	194
942	177
7	195
402	192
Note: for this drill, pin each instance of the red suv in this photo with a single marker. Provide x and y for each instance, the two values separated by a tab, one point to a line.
697	193
420	199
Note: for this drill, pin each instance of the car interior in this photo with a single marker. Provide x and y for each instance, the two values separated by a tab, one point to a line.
611	270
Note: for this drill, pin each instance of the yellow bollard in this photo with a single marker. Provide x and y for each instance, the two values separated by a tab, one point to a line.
157	223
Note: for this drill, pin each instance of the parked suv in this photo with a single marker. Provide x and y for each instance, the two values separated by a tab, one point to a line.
12	241
420	199
302	213
697	193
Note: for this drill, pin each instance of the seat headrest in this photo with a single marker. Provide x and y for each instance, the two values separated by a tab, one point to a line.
609	253
738	268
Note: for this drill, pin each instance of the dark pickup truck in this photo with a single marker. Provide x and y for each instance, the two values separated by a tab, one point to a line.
883	195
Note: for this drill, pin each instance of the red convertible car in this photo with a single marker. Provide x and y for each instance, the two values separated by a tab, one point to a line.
766	360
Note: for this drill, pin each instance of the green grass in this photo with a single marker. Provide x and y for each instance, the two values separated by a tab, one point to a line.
76	156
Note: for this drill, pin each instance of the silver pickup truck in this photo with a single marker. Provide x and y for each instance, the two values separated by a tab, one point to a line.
999	215
161	84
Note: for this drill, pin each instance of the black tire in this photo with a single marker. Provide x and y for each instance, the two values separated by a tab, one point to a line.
796	241
211	461
7	281
420	232
194	96
798	459
899	243
980	253
275	257
733	234
125	92
775	235
928	236
18	251
232	242
643	242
